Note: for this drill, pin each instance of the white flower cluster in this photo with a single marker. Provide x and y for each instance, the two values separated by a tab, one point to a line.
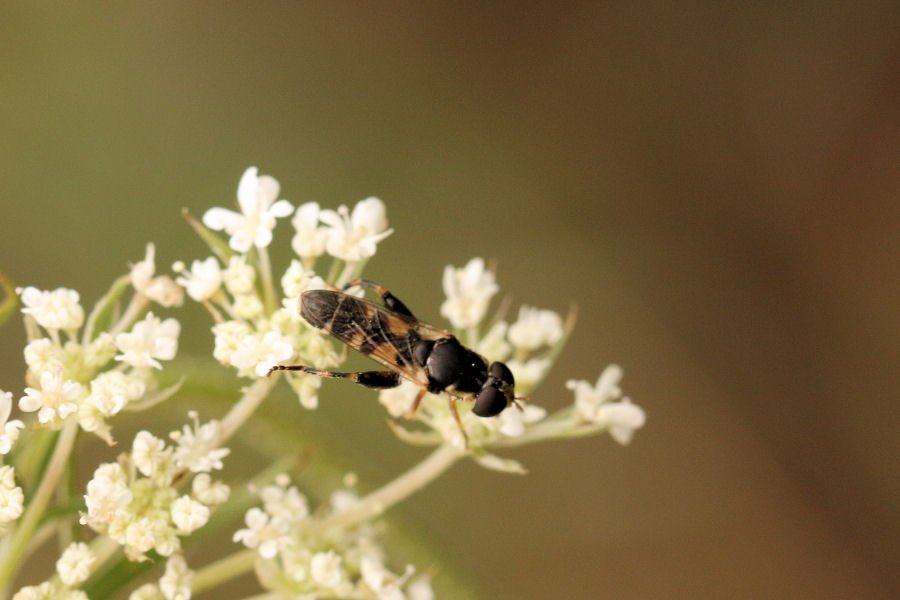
136	500
94	376
12	498
528	346
603	404
175	584
298	558
73	568
84	369
253	331
350	236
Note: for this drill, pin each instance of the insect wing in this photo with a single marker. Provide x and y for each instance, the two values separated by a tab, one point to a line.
373	330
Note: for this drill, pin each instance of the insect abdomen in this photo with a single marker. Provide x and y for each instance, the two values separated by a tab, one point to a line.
340	315
360	324
318	306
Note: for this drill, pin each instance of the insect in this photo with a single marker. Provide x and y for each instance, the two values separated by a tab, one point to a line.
430	357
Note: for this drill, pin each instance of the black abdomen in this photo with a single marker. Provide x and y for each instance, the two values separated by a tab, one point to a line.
318	306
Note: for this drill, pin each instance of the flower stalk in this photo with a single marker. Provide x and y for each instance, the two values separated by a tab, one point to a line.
402	487
21	535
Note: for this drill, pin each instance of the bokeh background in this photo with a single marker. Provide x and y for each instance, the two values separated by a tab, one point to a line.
715	185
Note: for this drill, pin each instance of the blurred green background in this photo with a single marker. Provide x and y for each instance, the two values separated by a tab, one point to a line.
715	185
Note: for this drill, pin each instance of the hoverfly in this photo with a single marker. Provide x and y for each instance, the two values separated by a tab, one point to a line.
430	357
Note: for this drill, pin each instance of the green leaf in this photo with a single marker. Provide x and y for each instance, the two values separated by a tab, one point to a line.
102	314
10	299
219	247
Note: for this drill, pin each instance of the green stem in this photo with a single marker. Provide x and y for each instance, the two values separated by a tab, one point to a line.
336	266
233	565
241	411
104	307
410	482
10	563
138	303
265	272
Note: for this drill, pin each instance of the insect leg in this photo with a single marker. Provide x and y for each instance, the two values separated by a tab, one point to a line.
372	379
415	405
390	300
459	421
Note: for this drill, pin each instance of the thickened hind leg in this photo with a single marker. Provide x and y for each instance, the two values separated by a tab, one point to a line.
390	300
371	379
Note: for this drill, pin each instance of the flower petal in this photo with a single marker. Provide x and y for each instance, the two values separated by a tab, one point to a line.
221	218
282	208
247	191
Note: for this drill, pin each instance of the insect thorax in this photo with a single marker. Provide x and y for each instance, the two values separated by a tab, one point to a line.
453	367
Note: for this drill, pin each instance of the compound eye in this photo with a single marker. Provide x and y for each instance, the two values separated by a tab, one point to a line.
490	402
500	371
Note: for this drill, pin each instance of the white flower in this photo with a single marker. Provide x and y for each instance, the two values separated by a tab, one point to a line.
623	419
112	390
198	448
43	355
150	455
254	224
203	280
188	514
159	289
295	281
149	340
239	276
385	584
469	291
535	328
528	373
261	354
148	591
56	399
601	405
107	494
74	565
43	591
342	500
307	389
167	542
493	344
143	533
420	589
267	535
178	579
9	430
228	337
209	492
588	397
247	306
285	502
310	239
399	400
58	309
12	498
99	351
49	591
511	422
353	236
325	569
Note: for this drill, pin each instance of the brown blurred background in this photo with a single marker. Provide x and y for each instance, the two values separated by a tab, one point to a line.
716	186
